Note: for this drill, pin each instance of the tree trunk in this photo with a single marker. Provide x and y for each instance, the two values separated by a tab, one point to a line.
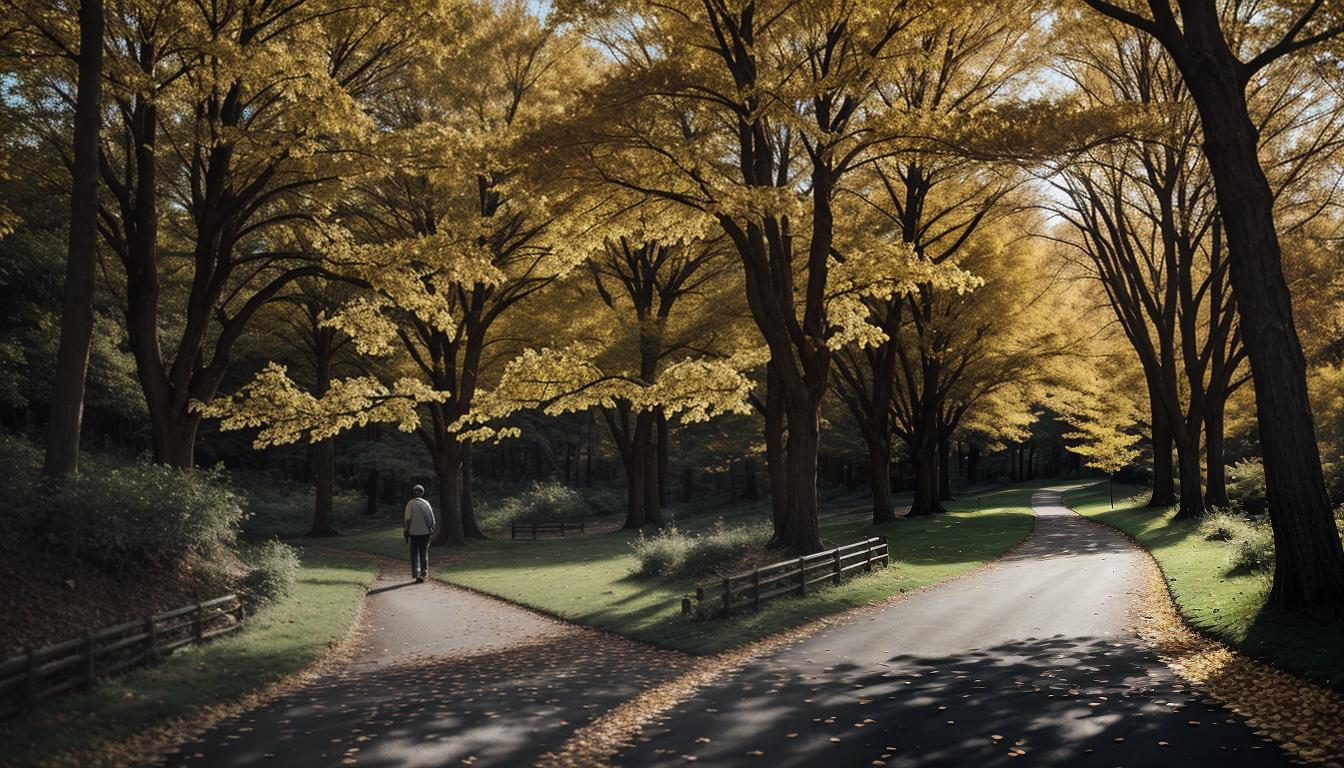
926	482
448	470
776	462
371	483
634	491
324	517
1214	469
72	356
1192	484
879	479
801	531
662	462
944	470
1164	487
470	527
972	463
1309	561
653	511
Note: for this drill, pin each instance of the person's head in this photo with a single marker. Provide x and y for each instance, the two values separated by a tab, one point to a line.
418	491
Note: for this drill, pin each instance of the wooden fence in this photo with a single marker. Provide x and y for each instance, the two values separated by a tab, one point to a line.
30	677
798	576
535	528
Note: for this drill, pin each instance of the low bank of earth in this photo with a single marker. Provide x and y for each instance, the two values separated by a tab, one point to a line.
278	641
587	579
1213	595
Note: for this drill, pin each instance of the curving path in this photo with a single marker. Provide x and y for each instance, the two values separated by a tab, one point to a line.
1029	660
440	676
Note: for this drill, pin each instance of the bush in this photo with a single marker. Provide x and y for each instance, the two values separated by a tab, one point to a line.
140	513
1252	540
281	509
1246	486
273	567
20	472
542	503
671	554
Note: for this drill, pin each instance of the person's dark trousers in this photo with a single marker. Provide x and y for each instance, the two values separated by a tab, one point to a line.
419	556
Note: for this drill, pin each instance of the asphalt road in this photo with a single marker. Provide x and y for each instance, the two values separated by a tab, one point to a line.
441	676
1027	661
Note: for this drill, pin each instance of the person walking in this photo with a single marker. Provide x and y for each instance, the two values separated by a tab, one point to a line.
419	526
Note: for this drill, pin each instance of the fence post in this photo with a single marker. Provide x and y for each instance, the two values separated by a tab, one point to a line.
88	658
727	595
835	564
238	610
685	606
886	550
198	624
152	632
868	556
30	684
802	576
756	590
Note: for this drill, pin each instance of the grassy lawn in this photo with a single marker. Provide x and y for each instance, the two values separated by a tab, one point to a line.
587	579
278	641
1227	604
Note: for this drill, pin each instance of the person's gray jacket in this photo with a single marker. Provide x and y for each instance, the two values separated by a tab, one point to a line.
419	517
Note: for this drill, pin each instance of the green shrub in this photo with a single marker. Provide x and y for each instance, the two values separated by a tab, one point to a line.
273	567
144	513
1222	525
281	509
542	503
671	554
1246	486
1255	550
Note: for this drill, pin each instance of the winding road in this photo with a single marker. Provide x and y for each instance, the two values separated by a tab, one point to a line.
1028	659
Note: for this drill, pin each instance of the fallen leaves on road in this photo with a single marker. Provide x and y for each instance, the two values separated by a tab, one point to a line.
1305	718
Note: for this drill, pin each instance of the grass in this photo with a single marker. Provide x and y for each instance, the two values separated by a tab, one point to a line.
1217	598
278	641
587	579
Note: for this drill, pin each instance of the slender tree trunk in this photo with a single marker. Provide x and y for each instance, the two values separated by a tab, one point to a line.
1309	560
973	463
776	460
1164	487
72	356
470	526
653	511
879	479
324	517
1214	469
944	470
663	440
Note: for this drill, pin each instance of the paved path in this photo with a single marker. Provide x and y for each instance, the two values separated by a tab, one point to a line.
441	676
1029	660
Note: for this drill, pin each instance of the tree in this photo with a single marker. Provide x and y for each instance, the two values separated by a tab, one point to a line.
754	113
1309	560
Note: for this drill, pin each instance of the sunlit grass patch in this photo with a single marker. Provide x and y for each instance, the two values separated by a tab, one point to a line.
1214	590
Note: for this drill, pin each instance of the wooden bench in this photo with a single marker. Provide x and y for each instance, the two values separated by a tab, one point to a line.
797	576
543	528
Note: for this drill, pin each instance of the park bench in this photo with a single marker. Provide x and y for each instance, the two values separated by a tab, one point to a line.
796	576
38	674
543	528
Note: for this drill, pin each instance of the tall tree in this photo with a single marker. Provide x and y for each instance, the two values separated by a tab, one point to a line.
1309	560
72	358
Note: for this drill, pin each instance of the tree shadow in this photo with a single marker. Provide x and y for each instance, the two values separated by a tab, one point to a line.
1057	700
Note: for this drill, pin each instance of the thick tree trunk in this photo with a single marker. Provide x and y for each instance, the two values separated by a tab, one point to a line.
1214	469
801	531
470	526
663	440
72	356
324	518
1309	561
1192	481
448	470
174	437
973	463
634	492
653	511
1164	487
926	481
879	479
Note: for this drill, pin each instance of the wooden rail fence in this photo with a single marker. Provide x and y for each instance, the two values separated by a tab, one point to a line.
798	576
535	528
38	674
